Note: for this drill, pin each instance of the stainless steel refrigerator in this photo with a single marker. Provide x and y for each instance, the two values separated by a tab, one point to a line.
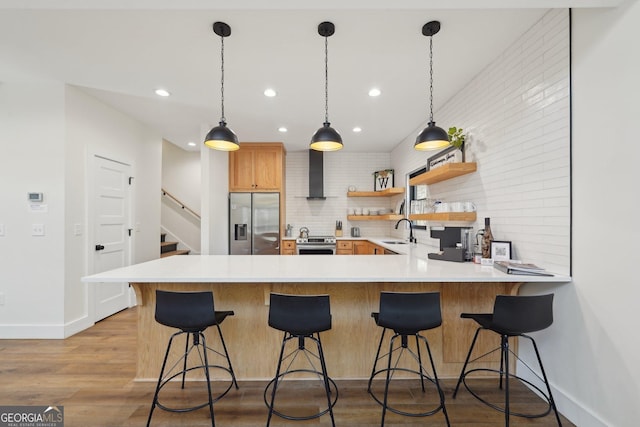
254	223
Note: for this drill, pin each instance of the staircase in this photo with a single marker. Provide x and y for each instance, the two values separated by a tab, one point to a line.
170	248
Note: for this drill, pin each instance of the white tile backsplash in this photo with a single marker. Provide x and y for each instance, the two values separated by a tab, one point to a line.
516	113
341	169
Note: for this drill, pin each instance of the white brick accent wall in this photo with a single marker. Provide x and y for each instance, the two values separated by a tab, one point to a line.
516	115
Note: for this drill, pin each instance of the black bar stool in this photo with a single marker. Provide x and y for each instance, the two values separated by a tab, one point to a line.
301	318
407	314
513	316
192	313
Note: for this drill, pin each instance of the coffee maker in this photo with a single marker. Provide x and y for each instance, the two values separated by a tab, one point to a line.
455	244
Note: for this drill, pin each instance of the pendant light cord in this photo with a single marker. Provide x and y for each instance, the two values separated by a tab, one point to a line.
222	118
326	79
431	78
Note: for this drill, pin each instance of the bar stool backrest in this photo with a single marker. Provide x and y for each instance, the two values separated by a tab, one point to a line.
188	311
300	315
516	314
407	313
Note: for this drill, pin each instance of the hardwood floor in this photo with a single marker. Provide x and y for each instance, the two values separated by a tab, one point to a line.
90	374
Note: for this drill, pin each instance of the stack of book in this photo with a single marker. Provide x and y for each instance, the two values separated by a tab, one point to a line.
517	267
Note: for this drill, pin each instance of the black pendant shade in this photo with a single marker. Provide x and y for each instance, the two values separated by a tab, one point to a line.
432	137
221	137
326	138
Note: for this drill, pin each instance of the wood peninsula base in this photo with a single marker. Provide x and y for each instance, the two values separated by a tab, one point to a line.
349	346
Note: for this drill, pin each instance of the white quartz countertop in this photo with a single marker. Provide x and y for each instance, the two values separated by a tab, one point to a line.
410	265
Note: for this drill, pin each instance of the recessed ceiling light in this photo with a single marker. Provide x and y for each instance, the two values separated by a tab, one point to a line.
162	92
357	129
191	144
374	92
270	93
282	129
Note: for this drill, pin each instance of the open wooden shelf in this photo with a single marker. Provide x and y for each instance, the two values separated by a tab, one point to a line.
445	216
382	193
387	217
444	172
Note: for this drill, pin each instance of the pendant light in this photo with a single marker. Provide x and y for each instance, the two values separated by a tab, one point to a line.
432	137
326	138
221	137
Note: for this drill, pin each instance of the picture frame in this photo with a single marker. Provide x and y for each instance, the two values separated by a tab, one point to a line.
448	155
383	179
500	250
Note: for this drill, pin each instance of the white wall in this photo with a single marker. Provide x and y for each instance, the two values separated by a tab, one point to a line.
32	138
594	349
516	116
47	132
181	178
341	169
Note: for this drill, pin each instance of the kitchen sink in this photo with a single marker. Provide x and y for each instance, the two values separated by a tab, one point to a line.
394	242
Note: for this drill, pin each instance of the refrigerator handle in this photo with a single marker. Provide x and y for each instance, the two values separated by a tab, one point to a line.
240	231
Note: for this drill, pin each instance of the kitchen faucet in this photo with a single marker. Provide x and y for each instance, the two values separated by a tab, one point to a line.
411	238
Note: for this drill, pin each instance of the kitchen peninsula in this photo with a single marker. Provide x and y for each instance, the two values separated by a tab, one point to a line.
243	282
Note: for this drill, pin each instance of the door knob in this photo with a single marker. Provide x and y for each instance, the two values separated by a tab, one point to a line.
99	247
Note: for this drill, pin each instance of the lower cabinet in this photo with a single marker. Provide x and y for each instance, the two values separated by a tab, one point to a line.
288	247
344	247
365	247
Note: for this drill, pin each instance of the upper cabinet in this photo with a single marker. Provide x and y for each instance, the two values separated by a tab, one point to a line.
444	172
257	167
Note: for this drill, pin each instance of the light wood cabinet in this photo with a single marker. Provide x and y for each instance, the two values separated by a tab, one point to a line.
359	247
257	167
344	247
288	247
362	247
377	250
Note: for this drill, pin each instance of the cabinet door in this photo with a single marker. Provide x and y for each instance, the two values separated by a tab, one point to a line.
377	250
288	247
362	248
267	169
241	170
344	247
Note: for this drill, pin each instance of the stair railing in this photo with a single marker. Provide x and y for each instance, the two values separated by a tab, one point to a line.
170	196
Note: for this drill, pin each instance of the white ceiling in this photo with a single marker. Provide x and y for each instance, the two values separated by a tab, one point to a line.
120	51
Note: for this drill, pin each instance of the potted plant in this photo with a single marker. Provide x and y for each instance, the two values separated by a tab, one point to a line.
456	137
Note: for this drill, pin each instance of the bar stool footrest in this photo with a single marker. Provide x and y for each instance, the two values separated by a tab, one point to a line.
499	408
332	384
399	412
200	406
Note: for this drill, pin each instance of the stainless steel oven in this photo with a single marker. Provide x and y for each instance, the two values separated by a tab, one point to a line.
316	245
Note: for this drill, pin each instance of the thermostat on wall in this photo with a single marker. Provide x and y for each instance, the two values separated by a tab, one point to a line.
35	197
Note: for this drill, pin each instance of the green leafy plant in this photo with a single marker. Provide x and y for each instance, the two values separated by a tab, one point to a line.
456	137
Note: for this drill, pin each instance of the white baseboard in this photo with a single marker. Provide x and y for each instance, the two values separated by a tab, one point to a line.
24	332
568	405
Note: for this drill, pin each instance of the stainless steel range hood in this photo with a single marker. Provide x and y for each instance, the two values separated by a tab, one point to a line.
316	175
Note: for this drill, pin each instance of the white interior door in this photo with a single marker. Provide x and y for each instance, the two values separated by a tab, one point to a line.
111	233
